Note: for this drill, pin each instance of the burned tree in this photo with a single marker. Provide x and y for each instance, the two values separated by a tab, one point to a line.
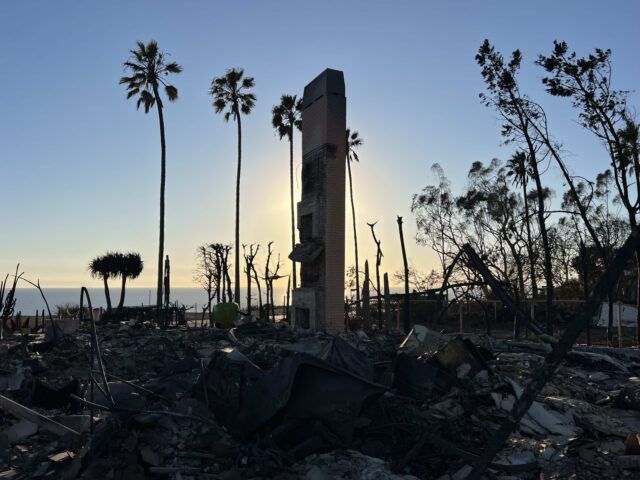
208	274
523	123
405	311
604	112
270	275
249	260
378	263
7	300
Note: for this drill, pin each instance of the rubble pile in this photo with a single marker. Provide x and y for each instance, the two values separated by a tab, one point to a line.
265	401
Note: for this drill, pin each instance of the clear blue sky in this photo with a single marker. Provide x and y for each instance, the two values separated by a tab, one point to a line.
79	166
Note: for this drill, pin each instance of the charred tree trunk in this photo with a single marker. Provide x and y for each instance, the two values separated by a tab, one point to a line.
355	238
366	301
406	323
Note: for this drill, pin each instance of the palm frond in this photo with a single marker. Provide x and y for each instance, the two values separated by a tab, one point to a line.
132	92
284	131
152	49
172	93
276	120
172	67
219	104
248	82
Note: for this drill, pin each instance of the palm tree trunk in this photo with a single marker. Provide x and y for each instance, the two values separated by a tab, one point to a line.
248	289
355	239
106	293
546	249
121	303
293	218
163	173
237	252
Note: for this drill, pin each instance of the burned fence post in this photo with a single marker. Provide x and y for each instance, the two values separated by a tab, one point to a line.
619	323
287	310
585	283
167	281
387	301
248	273
366	300
558	352
405	310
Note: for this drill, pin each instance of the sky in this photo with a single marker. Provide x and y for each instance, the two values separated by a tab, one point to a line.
80	166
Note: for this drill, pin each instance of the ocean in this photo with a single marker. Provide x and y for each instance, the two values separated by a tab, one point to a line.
28	300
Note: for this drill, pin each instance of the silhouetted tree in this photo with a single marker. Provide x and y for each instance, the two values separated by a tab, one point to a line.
354	141
604	112
379	256
149	68
208	274
249	259
286	117
232	92
105	267
492	212
436	218
129	266
521	124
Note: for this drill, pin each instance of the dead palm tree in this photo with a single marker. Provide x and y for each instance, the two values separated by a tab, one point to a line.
231	92
354	141
130	265
149	68
287	116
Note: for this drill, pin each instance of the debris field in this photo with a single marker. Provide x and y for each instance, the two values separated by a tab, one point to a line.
262	400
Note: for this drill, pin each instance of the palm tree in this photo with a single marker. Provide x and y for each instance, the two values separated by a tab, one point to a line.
129	266
232	92
149	68
354	141
517	166
105	267
286	117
